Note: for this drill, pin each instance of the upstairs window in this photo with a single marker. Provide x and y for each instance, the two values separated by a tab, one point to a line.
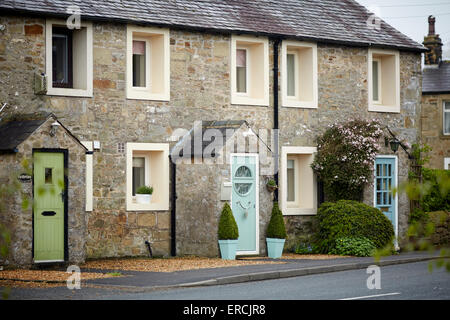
292	74
139	63
376	81
69	66
299	74
62	57
241	71
384	81
148	63
446	117
249	71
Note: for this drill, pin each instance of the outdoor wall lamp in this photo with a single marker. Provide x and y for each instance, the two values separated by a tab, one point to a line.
393	143
54	128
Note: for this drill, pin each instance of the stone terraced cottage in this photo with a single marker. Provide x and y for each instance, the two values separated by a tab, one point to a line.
100	94
435	121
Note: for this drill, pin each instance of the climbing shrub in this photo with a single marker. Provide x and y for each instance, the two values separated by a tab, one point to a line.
438	197
351	219
345	156
228	229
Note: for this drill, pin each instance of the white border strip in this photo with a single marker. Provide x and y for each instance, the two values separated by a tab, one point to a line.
373	296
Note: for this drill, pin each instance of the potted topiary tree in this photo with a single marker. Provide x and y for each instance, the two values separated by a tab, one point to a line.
228	233
276	233
144	194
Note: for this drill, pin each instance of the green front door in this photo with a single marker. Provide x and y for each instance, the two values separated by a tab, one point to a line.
244	198
48	208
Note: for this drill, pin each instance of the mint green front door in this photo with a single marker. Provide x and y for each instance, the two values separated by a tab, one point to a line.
244	201
48	204
385	181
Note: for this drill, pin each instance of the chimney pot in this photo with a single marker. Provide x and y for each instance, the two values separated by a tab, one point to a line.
433	43
431	28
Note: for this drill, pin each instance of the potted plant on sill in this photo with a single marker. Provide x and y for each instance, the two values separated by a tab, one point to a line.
271	185
228	234
144	194
276	233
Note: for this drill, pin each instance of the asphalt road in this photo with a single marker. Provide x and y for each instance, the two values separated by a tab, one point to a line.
405	282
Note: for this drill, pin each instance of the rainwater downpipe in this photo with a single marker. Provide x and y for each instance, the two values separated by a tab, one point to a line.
276	45
173	208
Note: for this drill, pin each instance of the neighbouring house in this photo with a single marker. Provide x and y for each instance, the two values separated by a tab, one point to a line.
436	100
117	93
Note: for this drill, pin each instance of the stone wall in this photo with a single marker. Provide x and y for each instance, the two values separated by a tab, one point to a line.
200	90
432	129
18	220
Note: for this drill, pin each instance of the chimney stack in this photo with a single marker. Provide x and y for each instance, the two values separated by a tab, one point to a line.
434	43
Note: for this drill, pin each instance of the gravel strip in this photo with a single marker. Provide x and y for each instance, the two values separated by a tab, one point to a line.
47	276
168	265
28	284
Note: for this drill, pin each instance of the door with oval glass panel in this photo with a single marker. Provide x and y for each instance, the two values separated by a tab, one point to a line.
385	181
49	203
244	201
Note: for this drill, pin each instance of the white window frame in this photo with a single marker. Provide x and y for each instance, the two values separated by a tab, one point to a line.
295	203
375	106
148	80
291	101
247	68
288	208
163	192
296	79
147	171
443	117
380	92
149	92
72	92
447	163
259	97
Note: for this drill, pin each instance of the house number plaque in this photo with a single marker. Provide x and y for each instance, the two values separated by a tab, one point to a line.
23	177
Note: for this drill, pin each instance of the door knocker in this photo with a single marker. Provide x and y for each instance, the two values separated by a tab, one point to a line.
245	208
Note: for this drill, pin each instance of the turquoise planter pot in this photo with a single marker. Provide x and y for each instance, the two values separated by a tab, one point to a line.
275	247
228	249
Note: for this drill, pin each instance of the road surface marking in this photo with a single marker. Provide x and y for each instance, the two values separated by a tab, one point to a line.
374	296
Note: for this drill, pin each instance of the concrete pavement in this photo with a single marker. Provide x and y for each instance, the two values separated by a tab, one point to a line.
149	281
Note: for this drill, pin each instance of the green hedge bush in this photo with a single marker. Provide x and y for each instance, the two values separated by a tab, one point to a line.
228	229
276	228
351	219
360	247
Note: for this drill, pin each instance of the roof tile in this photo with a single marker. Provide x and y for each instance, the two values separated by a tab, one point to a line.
319	20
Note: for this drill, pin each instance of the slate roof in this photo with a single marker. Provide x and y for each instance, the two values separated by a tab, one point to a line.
343	21
198	135
14	133
437	80
20	127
